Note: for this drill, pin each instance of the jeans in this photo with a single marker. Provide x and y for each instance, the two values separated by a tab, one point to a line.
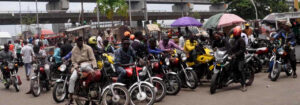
28	68
122	74
239	70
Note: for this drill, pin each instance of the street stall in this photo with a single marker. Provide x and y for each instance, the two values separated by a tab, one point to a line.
153	30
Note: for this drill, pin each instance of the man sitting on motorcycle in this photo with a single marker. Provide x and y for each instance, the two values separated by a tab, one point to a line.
168	45
189	46
237	54
124	56
5	55
139	45
220	42
287	39
81	53
152	47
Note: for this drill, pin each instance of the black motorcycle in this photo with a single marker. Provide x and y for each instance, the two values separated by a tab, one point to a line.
10	76
224	75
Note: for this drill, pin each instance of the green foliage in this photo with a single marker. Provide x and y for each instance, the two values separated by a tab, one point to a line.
28	20
110	7
245	8
196	15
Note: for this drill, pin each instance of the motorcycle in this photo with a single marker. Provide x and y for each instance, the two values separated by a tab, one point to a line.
259	58
223	75
60	90
159	67
10	76
39	80
203	63
187	75
279	63
100	89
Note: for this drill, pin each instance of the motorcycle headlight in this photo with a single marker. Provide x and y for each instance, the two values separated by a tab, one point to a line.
34	67
183	57
280	52
144	71
62	67
47	67
167	61
10	66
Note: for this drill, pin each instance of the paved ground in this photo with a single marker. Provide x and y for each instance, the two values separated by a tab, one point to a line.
263	92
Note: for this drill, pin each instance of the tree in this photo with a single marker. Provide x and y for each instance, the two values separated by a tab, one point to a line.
196	15
245	9
110	7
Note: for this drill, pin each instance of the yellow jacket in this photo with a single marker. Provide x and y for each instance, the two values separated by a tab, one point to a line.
188	46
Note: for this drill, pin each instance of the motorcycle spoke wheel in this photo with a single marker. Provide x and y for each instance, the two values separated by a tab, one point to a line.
145	97
173	84
192	81
160	89
35	88
59	94
121	96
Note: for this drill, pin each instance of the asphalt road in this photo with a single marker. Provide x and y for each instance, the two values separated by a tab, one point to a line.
285	91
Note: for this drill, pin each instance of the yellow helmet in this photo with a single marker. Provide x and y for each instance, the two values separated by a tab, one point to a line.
92	40
247	24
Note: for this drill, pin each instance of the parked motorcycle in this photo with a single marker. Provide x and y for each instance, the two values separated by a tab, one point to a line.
160	68
99	88
10	76
187	75
259	58
39	80
223	75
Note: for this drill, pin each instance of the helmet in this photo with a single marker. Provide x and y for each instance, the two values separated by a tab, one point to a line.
132	37
92	40
247	24
126	33
237	31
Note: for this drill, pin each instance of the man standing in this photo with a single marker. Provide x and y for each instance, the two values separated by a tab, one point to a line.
99	40
18	48
28	54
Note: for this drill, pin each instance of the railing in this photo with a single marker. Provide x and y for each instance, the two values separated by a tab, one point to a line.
90	11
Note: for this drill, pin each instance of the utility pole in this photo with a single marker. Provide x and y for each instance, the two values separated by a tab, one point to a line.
98	15
37	18
20	16
182	9
146	12
255	9
82	13
130	18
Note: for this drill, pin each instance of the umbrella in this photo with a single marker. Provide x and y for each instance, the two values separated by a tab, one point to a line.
186	21
223	20
271	18
46	32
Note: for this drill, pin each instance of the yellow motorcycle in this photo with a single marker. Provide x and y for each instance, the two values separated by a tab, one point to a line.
202	62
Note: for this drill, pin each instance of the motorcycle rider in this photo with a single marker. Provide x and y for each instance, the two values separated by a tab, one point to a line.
5	55
237	54
107	47
220	42
152	47
81	53
287	37
189	46
124	56
168	45
138	45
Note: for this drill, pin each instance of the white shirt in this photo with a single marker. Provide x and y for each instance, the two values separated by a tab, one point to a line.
27	52
244	36
181	42
99	42
36	42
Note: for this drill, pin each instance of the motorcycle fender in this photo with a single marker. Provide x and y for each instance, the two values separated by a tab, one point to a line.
173	73
158	78
142	82
33	77
189	68
111	86
59	81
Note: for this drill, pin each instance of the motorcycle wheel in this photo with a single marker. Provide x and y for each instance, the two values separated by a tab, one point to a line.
147	96
214	83
59	94
122	96
289	71
251	74
274	74
192	83
160	89
15	83
173	84
35	87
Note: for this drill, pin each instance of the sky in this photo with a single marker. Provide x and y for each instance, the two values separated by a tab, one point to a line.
13	7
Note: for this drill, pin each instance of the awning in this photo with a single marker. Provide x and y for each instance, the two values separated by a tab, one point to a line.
78	28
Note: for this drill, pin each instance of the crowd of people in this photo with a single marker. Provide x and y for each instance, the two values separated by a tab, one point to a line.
137	45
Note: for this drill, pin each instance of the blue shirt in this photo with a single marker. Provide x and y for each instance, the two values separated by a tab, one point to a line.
57	56
122	57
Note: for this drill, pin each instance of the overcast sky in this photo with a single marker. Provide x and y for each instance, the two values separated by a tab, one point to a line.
74	7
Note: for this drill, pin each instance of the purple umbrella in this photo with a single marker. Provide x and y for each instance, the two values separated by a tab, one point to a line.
186	21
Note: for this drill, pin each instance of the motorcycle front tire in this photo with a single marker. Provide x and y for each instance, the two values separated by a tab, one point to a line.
214	83
54	93
176	79
192	75
15	83
35	92
273	76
